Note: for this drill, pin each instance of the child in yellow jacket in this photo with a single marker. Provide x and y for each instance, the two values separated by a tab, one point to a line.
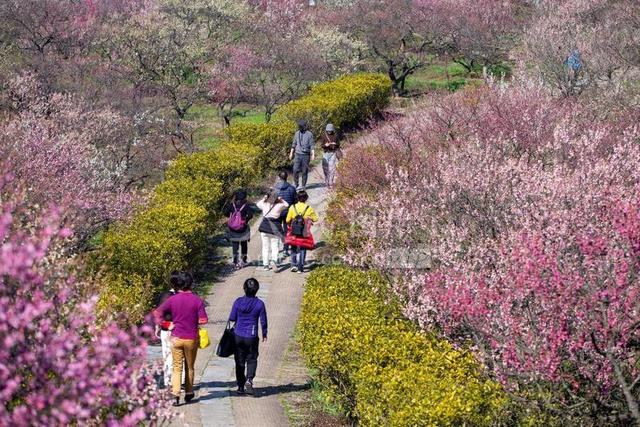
298	255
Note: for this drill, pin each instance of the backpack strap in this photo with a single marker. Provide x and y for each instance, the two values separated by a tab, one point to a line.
295	210
305	211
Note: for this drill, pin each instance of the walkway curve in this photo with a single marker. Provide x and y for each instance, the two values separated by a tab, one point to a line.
216	403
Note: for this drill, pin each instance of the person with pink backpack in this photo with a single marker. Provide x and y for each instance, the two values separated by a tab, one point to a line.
239	212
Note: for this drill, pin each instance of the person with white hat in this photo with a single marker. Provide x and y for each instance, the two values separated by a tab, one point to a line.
331	148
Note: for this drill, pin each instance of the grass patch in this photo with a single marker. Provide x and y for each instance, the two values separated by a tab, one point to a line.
306	406
249	116
434	77
209	128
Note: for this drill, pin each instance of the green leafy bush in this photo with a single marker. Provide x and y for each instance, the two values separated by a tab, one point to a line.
156	241
378	367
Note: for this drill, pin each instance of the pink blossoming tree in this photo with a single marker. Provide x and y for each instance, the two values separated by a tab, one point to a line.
510	225
61	151
57	367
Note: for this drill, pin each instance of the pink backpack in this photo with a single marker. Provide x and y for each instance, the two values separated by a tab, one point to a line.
236	221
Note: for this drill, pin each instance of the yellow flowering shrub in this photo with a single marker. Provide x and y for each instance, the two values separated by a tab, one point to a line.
273	140
234	164
157	241
345	101
125	298
200	191
379	367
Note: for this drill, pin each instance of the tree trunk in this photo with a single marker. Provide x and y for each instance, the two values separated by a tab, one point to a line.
468	67
391	71
626	390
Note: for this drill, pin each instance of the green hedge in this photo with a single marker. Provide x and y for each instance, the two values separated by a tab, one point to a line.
378	367
170	233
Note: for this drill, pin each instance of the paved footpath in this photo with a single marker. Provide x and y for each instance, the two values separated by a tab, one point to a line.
216	403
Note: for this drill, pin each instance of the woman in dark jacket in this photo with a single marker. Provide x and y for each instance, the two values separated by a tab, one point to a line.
239	211
246	312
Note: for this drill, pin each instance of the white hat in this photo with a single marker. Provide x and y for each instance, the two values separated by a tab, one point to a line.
330	128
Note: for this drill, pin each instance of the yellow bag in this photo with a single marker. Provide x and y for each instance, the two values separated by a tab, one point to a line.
204	338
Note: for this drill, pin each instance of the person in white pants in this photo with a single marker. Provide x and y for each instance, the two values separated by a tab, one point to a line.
167	358
271	230
163	331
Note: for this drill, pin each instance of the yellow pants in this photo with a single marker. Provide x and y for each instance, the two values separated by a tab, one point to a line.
183	351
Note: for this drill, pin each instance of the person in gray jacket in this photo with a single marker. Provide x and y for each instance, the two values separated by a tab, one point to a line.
302	153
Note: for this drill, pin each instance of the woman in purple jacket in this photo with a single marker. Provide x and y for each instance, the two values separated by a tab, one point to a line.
245	313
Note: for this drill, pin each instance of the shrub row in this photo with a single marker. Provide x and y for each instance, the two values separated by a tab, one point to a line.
345	102
378	367
170	232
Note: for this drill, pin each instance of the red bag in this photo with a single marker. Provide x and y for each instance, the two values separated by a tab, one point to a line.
302	242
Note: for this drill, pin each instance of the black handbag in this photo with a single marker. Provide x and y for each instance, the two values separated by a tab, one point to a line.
227	345
271	226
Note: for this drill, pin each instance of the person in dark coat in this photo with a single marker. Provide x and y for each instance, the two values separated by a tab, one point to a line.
288	193
246	312
239	237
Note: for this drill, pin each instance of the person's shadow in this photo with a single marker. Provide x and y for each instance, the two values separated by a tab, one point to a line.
316	185
223	391
226	390
280	389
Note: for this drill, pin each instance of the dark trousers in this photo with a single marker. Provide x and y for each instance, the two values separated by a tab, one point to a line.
301	169
298	257
237	246
246	354
285	227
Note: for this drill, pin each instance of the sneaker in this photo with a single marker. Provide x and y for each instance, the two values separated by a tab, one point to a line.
240	391
300	271
294	269
266	268
248	387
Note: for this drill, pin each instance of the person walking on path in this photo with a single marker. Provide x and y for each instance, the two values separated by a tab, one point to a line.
302	153
301	209
187	313
271	230
331	148
245	313
286	192
162	329
239	211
